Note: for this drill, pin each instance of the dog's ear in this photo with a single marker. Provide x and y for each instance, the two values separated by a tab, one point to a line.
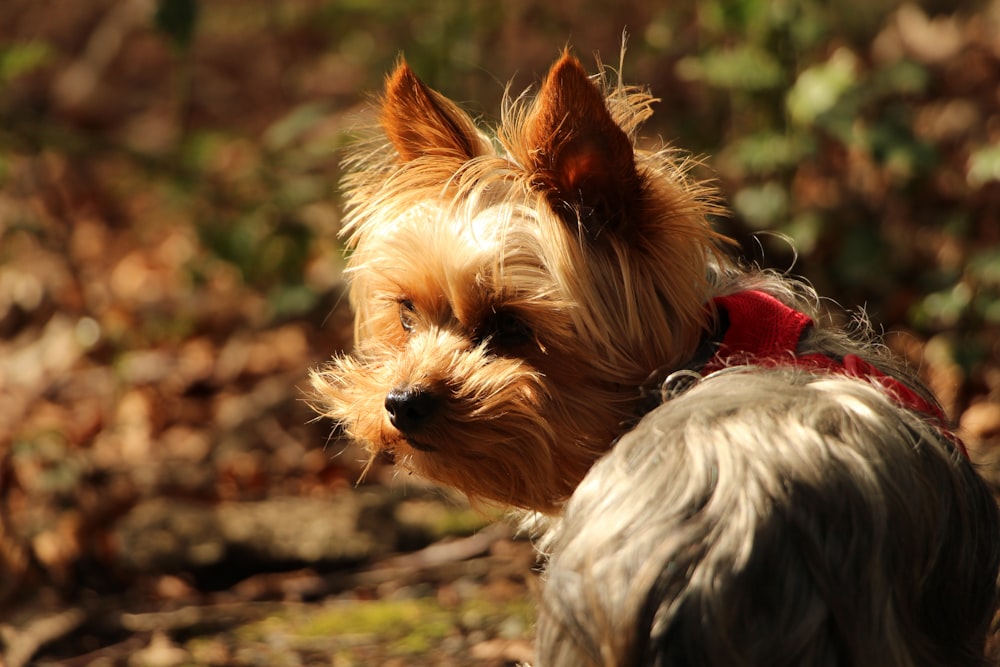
422	122
580	154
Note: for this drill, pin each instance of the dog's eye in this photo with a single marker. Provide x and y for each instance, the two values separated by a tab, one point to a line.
407	315
504	329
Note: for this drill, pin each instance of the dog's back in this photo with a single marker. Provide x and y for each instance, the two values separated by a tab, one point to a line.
773	517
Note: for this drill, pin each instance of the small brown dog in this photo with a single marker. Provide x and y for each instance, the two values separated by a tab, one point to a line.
774	517
514	297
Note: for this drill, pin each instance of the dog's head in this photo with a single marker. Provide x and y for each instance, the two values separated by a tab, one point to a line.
513	291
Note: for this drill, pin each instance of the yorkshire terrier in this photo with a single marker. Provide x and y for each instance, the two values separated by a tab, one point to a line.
519	296
774	517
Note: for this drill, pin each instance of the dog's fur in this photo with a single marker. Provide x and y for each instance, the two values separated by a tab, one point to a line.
774	517
512	297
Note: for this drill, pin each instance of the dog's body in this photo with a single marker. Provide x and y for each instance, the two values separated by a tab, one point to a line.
513	300
774	517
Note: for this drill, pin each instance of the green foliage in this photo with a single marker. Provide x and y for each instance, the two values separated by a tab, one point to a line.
177	19
18	59
821	139
971	298
768	151
745	67
984	165
819	88
407	626
763	206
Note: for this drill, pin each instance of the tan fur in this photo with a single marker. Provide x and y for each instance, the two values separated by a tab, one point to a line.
514	294
609	273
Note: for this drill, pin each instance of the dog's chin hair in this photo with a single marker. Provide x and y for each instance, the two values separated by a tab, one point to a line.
774	517
500	420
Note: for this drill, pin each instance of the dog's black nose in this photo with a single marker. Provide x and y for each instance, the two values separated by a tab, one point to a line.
409	408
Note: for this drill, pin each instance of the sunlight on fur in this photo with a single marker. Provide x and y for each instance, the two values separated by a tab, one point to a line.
514	290
774	517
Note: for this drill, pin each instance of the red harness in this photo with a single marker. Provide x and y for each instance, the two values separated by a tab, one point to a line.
766	332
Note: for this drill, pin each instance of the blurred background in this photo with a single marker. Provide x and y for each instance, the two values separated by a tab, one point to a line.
170	270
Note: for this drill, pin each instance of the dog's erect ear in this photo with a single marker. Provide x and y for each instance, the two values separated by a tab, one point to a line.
421	122
579	153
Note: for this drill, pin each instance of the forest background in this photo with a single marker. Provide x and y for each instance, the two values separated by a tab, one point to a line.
170	270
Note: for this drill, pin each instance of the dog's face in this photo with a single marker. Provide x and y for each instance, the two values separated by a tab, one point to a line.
510	300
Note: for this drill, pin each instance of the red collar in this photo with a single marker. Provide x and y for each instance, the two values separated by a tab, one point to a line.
764	331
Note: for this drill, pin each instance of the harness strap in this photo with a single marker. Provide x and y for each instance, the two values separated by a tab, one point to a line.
759	329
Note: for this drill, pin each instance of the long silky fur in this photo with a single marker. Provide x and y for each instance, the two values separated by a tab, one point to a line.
774	517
